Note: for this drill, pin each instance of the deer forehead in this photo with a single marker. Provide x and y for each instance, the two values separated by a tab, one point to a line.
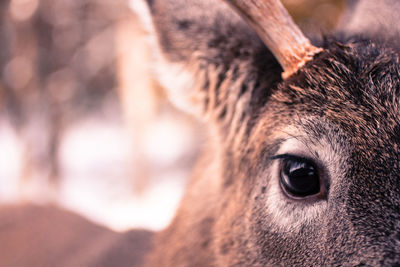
365	105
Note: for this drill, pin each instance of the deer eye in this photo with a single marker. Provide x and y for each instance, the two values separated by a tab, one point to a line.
298	176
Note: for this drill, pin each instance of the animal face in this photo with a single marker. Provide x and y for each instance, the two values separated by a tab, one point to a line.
336	124
299	171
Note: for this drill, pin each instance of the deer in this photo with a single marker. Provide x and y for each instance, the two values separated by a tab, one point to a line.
302	162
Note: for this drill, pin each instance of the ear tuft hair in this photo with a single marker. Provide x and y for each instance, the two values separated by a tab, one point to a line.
198	43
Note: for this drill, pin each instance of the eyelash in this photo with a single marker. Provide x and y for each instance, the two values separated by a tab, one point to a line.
292	157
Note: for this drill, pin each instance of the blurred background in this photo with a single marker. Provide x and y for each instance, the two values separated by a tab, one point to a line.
84	124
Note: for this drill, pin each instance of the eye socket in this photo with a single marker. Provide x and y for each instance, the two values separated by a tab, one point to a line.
299	177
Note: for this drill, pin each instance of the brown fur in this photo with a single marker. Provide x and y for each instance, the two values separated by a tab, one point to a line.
343	107
341	111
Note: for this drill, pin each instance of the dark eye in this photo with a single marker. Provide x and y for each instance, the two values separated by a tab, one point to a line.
299	177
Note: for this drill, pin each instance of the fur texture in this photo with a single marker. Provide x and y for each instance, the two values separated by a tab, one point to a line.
341	110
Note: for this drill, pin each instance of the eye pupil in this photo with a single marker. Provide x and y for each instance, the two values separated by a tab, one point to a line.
299	177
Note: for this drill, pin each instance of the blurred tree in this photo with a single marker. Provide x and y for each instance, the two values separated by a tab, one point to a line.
315	16
58	63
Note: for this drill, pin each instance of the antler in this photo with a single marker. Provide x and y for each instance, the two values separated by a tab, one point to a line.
276	28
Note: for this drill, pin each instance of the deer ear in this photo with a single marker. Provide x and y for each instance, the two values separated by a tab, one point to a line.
211	61
197	44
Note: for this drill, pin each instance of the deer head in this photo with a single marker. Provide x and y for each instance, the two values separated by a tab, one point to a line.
300	170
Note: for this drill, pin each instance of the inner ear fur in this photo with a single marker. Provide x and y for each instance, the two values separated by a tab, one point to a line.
209	59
